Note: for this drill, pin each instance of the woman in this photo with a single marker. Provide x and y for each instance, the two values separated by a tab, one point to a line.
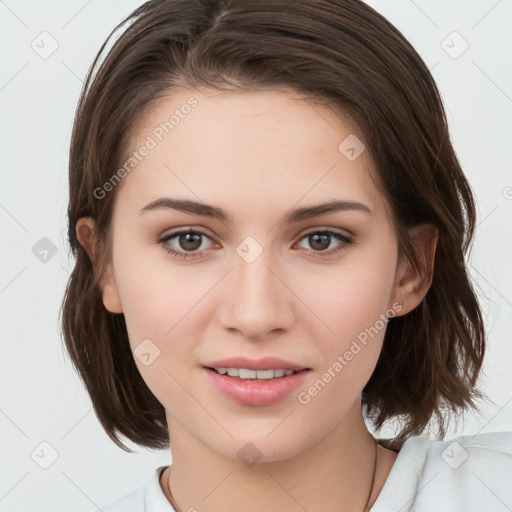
270	224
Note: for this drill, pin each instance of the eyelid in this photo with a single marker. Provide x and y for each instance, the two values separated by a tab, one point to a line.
344	232
204	231
166	237
344	240
186	229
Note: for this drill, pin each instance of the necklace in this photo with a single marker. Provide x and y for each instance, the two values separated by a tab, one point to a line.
373	476
365	509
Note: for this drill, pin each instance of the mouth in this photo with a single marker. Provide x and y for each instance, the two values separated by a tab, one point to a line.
246	374
251	382
240	366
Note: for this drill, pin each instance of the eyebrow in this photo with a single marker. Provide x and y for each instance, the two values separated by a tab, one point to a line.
295	215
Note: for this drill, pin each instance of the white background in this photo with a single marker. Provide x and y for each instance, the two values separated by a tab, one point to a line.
41	397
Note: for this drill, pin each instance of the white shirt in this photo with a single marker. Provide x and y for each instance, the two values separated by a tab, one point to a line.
471	473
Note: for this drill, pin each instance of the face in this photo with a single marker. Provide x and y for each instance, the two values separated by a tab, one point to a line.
311	291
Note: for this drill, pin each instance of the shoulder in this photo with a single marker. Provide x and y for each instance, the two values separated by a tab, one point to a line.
149	497
132	502
467	454
466	473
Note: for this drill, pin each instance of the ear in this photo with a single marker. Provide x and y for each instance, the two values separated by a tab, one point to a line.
411	286
86	234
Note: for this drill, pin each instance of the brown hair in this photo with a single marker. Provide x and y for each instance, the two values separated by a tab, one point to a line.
345	55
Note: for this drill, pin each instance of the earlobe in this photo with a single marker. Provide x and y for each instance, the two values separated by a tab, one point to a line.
86	234
109	292
412	285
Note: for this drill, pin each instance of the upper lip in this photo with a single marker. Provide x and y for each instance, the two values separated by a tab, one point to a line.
263	363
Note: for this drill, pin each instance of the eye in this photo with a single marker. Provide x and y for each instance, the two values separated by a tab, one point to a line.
321	240
188	242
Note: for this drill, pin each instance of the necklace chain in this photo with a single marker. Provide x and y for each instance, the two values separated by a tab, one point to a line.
365	508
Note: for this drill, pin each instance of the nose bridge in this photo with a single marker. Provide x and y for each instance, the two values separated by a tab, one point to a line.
257	301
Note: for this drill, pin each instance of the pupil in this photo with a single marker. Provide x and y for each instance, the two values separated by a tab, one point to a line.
192	241
316	237
186	239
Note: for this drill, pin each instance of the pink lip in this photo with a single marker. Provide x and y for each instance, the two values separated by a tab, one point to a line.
256	393
264	363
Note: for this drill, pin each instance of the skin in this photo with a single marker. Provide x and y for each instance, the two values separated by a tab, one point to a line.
257	155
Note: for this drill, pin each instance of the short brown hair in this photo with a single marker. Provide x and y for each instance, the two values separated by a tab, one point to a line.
347	56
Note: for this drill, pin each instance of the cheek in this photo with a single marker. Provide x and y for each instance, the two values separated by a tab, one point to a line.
354	308
164	310
353	304
161	298
156	294
162	326
351	297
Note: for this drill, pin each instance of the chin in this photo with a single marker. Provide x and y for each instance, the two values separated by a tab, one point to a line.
260	448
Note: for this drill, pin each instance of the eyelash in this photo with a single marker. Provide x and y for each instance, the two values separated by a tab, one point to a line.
163	241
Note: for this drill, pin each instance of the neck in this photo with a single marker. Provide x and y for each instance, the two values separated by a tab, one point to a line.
332	474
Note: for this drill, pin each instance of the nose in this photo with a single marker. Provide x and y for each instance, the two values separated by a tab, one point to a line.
257	300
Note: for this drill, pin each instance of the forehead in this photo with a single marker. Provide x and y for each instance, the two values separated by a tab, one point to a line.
252	150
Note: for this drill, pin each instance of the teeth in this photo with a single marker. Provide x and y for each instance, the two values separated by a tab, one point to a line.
247	374
244	373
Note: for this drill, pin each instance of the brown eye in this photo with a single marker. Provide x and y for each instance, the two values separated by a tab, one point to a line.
320	241
187	243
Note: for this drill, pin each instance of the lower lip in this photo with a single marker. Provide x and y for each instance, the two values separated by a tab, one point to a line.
256	393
